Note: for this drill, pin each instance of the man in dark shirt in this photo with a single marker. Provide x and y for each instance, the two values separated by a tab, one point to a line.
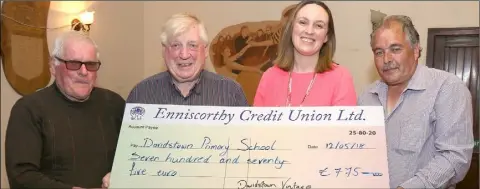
240	42
186	82
65	135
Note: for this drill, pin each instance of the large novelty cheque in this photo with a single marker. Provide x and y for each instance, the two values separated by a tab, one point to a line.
170	146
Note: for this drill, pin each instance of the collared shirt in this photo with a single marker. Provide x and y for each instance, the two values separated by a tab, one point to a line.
429	131
210	90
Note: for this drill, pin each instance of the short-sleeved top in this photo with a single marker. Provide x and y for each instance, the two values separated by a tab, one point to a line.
331	88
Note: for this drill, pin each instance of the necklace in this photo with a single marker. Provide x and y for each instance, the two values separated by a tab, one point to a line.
289	95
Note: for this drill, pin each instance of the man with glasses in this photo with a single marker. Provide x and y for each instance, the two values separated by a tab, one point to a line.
65	135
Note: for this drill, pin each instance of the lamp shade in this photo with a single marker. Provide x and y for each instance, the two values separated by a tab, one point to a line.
87	17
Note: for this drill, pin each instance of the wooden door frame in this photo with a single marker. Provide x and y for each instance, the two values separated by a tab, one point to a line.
432	32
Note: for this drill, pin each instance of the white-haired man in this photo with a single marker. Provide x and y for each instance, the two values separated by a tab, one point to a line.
186	82
185	41
65	135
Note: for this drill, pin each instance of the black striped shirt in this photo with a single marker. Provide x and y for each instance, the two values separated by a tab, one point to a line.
211	90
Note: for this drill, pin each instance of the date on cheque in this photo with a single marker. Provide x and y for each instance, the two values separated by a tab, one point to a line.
361	132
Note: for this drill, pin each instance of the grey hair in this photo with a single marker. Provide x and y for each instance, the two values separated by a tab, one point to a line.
180	23
407	26
64	38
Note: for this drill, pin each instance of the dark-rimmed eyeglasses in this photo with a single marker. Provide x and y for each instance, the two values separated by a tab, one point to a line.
76	65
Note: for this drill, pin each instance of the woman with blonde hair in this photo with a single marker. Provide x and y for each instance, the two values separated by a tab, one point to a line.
304	73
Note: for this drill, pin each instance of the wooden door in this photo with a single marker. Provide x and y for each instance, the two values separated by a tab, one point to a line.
456	50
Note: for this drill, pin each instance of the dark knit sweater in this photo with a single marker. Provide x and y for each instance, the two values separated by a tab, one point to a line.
53	142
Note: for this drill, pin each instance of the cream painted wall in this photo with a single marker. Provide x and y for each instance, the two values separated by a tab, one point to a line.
127	34
118	32
352	24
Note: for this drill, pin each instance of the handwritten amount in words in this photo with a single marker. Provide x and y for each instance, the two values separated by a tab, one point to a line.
207	144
